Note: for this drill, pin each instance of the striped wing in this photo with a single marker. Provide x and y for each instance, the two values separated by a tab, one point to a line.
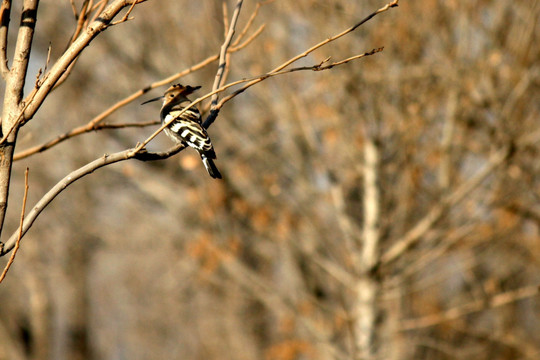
189	131
191	114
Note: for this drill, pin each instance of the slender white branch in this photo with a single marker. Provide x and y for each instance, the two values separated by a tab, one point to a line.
218	81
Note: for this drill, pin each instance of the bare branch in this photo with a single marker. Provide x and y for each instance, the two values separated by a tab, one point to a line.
215	109
15	81
225	12
126	16
73	8
5	12
82	18
91	125
19	236
89	168
248	24
223	53
257	79
248	40
60	67
76	132
472	307
335	37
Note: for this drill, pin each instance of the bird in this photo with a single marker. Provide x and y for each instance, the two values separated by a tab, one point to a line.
186	127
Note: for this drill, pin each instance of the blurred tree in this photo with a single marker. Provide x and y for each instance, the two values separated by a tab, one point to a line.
386	209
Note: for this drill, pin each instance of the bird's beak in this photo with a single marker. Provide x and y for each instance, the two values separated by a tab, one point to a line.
155	99
191	89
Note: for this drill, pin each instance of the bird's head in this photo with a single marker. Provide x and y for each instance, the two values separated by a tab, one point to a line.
175	94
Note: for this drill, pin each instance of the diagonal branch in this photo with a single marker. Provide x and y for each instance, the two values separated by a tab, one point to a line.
76	175
223	57
211	118
495	301
257	79
91	125
223	53
79	131
101	23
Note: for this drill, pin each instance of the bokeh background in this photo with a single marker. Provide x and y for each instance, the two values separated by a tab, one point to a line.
432	143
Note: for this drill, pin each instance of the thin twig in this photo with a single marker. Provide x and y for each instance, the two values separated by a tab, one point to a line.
335	37
74	9
257	79
248	40
248	23
215	109
91	125
472	307
80	131
126	17
98	8
19	118
223	53
71	54
21	222
82	17
47	62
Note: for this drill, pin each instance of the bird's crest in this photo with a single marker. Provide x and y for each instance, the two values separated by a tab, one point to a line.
181	89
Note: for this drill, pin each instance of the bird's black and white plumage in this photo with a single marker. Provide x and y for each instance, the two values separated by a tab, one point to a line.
186	127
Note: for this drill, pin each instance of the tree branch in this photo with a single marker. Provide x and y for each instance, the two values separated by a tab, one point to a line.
223	61
62	65
211	118
11	110
223	53
21	222
5	12
472	307
92	124
89	168
76	132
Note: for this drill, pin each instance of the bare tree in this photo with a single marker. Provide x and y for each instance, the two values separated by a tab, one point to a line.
386	209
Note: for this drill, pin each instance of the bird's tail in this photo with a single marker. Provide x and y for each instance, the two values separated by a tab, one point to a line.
210	166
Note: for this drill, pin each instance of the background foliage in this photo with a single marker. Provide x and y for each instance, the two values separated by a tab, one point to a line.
156	260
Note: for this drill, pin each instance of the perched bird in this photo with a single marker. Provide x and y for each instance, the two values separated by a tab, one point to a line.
186	128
